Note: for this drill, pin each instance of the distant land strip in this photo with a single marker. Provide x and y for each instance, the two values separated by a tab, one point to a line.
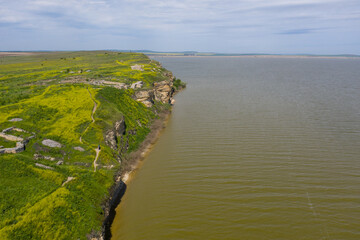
195	54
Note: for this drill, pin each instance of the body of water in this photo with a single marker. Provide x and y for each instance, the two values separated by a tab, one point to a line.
256	148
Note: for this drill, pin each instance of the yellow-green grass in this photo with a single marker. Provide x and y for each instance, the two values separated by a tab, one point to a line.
33	202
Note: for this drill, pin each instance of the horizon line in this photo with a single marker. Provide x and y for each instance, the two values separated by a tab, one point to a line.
191	53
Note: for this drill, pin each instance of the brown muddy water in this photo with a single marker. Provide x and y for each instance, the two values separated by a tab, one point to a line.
256	148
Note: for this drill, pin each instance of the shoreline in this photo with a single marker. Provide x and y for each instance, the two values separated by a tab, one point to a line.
136	158
133	163
259	56
117	191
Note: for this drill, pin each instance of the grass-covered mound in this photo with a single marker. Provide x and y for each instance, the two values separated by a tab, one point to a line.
60	96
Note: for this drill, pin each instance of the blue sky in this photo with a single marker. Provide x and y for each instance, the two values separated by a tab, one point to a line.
229	26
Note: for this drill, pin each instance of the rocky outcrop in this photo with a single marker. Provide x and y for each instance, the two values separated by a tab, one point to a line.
146	97
137	67
38	156
110	139
60	162
120	127
138	84
20	142
111	136
20	146
15	120
44	166
11	137
79	149
163	91
51	143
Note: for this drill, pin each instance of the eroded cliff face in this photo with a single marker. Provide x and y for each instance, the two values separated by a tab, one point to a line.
119	135
112	135
161	91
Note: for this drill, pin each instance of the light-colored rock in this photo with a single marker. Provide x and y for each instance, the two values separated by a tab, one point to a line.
60	162
15	120
43	166
49	158
7	129
111	140
163	91
19	148
172	101
138	84
108	166
11	137
18	129
79	149
147	103
39	156
31	137
120	86
145	97
51	143
20	142
137	67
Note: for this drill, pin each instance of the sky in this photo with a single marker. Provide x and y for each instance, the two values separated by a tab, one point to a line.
223	26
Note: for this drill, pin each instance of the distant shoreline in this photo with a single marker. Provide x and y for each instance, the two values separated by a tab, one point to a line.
180	54
257	56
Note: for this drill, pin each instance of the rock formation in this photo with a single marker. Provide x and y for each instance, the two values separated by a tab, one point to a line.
146	97
138	84
51	143
110	139
111	136
38	156
137	67
79	149
120	127
20	146
163	91
43	166
15	120
20	142
10	137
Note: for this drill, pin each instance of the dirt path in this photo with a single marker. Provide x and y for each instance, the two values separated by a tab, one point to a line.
97	150
67	180
92	116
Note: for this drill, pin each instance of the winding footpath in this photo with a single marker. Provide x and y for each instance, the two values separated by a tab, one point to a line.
92	116
97	150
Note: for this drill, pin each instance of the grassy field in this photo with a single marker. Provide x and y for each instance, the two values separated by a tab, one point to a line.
55	94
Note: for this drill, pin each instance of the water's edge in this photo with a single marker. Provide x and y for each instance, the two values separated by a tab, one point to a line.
117	191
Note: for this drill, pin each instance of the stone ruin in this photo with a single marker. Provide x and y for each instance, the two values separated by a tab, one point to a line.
20	142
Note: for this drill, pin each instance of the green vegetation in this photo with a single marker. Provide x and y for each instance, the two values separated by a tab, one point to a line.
55	94
178	84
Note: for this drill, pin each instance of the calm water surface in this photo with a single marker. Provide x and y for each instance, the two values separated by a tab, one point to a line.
256	148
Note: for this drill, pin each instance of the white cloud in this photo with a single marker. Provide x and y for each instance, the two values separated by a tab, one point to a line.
156	19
